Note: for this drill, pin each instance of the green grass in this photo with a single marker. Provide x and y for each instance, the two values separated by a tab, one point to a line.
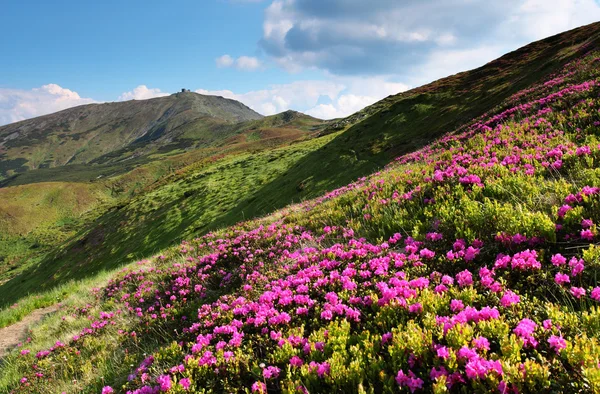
203	197
28	304
61	327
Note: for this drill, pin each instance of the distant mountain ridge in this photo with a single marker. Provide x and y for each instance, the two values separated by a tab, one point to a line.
84	133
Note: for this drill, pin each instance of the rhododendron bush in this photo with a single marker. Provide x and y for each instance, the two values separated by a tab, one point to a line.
471	265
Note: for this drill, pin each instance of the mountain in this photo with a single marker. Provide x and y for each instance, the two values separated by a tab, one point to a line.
88	133
468	263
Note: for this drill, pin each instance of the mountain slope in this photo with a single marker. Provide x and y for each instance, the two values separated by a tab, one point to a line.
367	141
86	133
400	124
42	209
469	265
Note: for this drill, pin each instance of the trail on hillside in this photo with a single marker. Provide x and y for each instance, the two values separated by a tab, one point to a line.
11	336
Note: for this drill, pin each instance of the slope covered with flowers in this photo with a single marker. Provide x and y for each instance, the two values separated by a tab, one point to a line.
468	266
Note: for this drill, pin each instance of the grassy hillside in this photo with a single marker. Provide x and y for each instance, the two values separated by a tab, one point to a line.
53	221
469	265
202	198
87	133
36	218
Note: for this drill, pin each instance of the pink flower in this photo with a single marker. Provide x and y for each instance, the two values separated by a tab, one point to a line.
595	294
442	352
525	330
385	338
434	236
587	234
426	253
271	372
583	150
557	343
563	210
164	382
456	305
438	372
107	390
561	278
558	260
586	223
524	260
415	308
471	253
464	278
577	292
577	266
481	343
296	361
259	387
185	383
411	381
509	298
321	368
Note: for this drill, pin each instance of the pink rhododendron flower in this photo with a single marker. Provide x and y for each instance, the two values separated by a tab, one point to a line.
185	383
557	343
509	298
259	387
595	294
464	278
271	372
164	382
411	381
561	278
577	292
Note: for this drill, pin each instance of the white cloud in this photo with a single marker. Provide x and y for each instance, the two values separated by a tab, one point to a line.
444	62
345	105
247	63
142	92
358	37
536	19
20	104
344	95
244	63
224	61
277	98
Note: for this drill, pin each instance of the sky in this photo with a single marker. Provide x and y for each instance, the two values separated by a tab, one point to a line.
327	58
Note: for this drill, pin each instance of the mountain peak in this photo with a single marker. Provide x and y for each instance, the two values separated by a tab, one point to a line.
85	133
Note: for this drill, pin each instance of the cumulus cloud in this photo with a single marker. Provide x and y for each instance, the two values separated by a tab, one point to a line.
19	104
142	92
244	63
224	61
342	96
247	63
278	98
345	105
357	37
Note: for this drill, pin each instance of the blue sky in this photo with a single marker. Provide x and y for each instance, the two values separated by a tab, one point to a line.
327	58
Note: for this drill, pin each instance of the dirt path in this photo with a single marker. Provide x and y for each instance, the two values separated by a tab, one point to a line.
11	336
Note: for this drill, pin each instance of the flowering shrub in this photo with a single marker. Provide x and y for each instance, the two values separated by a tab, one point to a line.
468	266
